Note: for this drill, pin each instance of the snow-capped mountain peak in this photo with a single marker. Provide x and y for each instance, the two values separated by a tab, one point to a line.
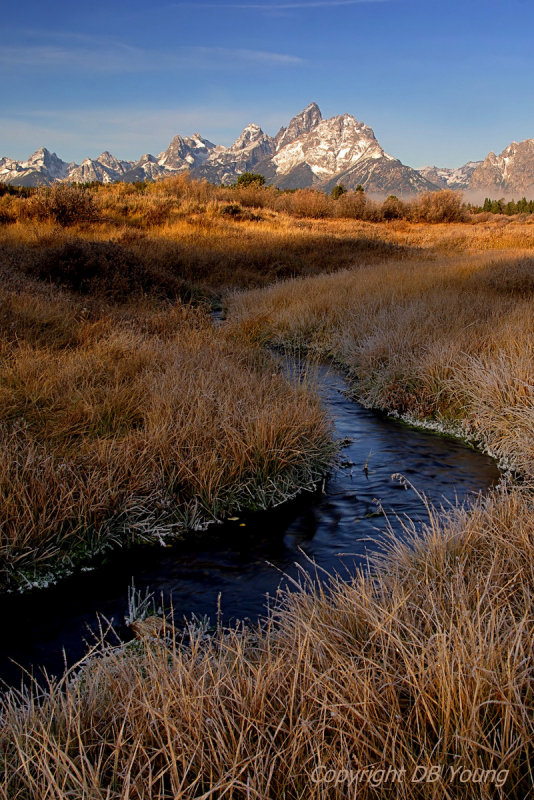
310	151
185	152
509	174
42	167
304	122
251	137
329	147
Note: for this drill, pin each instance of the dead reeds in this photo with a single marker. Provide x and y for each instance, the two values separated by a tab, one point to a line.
427	663
122	418
423	664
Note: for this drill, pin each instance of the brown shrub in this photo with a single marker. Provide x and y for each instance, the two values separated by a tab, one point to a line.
444	206
63	204
309	203
393	208
255	196
351	205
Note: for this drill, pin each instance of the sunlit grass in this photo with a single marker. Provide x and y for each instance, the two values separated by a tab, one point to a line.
137	421
426	662
119	405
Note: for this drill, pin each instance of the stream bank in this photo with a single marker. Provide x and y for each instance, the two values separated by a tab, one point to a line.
242	562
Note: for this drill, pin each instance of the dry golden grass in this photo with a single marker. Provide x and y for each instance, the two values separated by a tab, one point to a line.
214	237
427	662
137	420
449	338
210	251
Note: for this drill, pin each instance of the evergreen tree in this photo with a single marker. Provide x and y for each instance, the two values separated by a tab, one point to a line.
249	179
337	191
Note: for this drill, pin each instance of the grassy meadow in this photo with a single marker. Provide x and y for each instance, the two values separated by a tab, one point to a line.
126	414
448	338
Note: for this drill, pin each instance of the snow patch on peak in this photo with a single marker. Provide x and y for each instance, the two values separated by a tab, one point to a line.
42	152
251	137
332	146
304	122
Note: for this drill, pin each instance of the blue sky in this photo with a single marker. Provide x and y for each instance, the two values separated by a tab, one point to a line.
439	82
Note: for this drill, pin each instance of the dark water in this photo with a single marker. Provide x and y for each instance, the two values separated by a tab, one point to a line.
245	563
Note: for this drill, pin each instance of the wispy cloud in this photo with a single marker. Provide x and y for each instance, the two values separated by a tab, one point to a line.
105	55
128	131
105	59
281	6
259	56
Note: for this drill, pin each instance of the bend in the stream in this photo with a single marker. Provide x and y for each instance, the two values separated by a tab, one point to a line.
244	561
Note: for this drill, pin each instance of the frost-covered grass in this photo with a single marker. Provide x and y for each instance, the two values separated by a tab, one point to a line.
134	422
428	662
448	339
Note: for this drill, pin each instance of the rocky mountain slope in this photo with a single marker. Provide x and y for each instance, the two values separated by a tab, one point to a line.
42	167
449	178
309	152
510	174
224	165
106	169
316	152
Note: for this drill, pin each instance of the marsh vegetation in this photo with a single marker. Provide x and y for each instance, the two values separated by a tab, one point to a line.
120	401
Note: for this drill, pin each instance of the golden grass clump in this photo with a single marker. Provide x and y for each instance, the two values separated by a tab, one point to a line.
127	415
427	661
119	421
447	338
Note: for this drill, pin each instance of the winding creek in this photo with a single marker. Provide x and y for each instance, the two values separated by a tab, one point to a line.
245	560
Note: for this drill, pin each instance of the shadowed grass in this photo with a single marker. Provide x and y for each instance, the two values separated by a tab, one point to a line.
426	662
137	421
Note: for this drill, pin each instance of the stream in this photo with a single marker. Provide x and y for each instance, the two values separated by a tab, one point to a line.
246	560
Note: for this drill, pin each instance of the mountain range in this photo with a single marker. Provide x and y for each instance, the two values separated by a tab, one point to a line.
309	152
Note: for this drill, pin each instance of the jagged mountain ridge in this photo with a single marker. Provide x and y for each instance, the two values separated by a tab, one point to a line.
42	167
316	152
309	152
106	168
248	150
456	178
510	174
